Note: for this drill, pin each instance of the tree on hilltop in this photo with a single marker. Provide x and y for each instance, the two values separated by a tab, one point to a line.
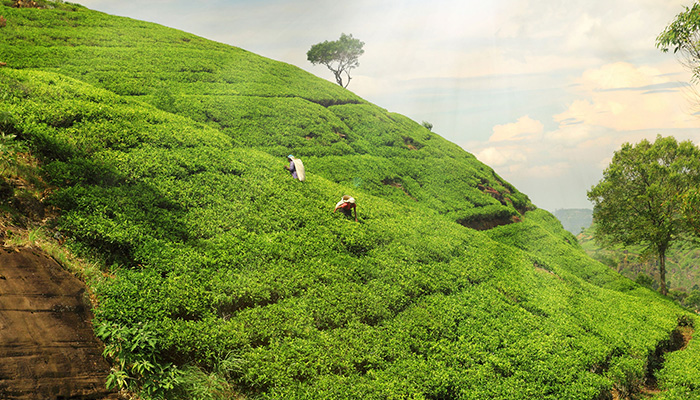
340	56
643	194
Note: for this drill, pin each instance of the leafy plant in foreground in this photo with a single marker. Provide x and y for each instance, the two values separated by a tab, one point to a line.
134	352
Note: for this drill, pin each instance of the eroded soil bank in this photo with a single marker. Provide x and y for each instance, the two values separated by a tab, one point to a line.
47	345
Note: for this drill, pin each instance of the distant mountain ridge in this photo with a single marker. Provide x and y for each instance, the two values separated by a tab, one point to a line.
574	220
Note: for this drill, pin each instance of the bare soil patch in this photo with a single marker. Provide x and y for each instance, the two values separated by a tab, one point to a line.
47	345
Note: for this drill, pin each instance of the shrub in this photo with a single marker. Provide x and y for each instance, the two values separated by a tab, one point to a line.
134	351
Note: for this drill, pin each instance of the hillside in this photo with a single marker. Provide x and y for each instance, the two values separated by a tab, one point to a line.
224	277
263	104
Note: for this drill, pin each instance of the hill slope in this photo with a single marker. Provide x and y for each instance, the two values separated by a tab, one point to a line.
267	105
166	154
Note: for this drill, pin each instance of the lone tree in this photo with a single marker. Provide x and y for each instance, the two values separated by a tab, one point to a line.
339	56
643	194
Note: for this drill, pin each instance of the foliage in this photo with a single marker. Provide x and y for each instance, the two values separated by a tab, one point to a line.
680	376
639	199
339	56
9	147
230	277
646	281
690	208
682	257
683	35
197	384
8	151
134	351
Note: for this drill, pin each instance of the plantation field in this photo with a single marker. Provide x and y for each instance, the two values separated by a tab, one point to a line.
223	276
271	106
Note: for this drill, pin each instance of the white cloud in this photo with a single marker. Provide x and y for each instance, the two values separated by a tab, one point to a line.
571	135
625	97
621	75
548	171
525	128
500	156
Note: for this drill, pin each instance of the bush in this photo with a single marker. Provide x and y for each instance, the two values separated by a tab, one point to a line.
133	350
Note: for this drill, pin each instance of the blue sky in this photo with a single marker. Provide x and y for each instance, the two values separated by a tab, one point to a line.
543	91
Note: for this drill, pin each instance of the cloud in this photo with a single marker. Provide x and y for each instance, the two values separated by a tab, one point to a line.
525	128
543	91
501	156
573	134
548	171
666	87
626	97
621	75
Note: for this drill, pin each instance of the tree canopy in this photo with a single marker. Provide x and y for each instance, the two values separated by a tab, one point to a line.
641	196
691	210
340	56
683	36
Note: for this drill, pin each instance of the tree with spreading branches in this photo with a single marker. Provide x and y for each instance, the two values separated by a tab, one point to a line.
340	56
644	196
683	36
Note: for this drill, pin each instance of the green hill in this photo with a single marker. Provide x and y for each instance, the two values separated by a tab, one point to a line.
223	275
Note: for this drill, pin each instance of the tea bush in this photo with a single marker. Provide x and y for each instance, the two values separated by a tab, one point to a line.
274	107
221	252
680	378
210	242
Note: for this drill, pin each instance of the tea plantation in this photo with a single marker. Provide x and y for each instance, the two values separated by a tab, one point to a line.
224	277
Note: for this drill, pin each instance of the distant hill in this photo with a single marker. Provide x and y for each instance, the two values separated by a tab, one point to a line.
222	277
574	220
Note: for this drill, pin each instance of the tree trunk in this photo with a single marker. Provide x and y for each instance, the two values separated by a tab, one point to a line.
338	77
662	271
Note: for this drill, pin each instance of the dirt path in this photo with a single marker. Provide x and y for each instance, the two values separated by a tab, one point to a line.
47	346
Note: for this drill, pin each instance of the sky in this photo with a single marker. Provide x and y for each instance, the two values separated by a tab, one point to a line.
542	91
